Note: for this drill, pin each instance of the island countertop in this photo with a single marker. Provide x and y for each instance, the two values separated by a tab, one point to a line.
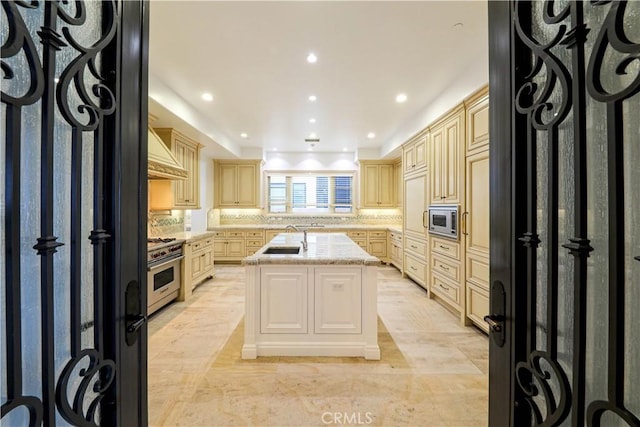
323	248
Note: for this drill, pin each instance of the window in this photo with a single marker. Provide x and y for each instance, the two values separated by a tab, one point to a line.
310	193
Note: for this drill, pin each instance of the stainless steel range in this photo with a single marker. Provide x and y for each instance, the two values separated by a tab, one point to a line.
164	271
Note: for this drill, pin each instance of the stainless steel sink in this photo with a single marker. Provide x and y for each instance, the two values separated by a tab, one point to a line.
282	250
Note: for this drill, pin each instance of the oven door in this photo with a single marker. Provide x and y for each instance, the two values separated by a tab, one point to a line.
163	283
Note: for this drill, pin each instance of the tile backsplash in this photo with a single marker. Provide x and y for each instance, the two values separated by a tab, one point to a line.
163	224
255	216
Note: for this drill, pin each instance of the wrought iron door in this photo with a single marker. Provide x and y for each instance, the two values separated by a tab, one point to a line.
73	169
565	339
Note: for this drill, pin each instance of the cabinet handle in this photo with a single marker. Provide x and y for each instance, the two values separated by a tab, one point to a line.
444	247
424	219
464	223
444	287
444	268
413	268
414	246
187	200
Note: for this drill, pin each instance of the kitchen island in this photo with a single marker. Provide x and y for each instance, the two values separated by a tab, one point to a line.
318	302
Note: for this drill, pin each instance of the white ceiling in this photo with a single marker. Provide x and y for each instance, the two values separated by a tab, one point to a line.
251	56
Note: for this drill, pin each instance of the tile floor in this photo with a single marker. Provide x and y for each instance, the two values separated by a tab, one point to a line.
432	371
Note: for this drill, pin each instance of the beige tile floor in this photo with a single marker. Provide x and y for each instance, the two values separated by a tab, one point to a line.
432	371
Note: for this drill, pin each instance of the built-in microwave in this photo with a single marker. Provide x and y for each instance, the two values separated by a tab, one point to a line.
443	220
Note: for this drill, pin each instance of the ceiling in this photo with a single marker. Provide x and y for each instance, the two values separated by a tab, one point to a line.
251	56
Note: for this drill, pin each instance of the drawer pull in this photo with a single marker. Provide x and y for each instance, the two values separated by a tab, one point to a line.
444	287
413	268
414	246
444	247
444	268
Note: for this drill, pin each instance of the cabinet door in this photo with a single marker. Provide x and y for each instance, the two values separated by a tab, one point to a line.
478	125
235	248
283	300
476	221
219	248
178	185
338	301
378	248
369	187
190	185
207	259
246	186
196	265
438	144
408	158
420	153
399	183
385	186
451	170
415	191
227	185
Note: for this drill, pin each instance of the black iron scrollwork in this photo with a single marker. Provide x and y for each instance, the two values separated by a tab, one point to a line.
75	72
537	378
530	99
100	372
33	405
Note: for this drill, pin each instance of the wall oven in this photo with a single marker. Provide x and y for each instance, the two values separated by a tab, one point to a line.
164	273
443	220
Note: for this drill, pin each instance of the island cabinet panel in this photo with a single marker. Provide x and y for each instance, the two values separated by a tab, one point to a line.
283	300
338	301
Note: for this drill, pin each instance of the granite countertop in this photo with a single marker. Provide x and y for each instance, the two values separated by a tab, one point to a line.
190	236
391	227
324	248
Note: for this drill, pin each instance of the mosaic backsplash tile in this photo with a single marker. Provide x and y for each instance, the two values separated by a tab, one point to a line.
159	225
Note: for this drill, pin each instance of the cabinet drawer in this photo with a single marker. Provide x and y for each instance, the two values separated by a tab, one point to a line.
377	234
446	289
218	234
357	233
361	242
415	268
258	233
235	233
477	269
446	247
395	237
201	244
254	243
417	247
445	266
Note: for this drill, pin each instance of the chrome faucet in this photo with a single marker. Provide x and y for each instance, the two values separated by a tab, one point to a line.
305	245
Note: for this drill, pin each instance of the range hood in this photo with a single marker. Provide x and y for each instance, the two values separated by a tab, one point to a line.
162	164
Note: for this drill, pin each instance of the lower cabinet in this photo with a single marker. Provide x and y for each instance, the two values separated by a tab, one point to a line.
395	249
311	310
446	280
198	264
415	269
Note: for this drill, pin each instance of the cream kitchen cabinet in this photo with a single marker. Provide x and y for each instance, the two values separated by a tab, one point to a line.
398	182
446	157
414	153
414	232
178	194
475	219
198	263
237	183
377	244
396	249
445	274
229	245
377	184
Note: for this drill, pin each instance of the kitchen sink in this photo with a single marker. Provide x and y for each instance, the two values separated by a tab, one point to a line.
282	250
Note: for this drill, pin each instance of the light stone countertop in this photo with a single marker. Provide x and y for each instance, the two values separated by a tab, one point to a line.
190	236
324	248
391	227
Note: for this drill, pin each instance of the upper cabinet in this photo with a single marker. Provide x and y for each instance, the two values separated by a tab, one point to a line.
478	121
414	156
178	194
399	182
237	183
377	184
446	158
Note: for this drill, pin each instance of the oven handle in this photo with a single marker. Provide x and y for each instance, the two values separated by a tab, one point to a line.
154	266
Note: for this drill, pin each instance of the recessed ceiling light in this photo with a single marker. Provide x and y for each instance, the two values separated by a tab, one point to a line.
344	149
371	135
310	148
244	135
312	58
312	120
401	97
207	97
275	149
313	135
312	98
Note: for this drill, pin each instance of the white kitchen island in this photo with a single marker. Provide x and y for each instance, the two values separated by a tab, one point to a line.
319	302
